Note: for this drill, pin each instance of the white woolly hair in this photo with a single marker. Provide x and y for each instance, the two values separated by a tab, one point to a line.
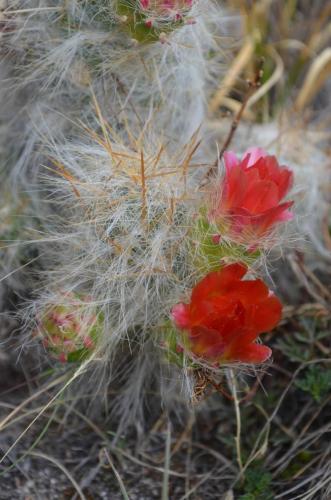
115	230
58	52
118	231
117	204
59	62
113	208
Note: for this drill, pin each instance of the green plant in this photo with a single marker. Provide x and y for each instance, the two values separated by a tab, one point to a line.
257	484
316	381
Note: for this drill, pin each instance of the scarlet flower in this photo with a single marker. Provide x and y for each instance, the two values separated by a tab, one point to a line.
250	203
226	315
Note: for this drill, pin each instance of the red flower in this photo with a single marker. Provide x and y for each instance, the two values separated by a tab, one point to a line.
249	203
226	315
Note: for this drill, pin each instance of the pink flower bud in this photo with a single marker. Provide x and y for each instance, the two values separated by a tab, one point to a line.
63	358
216	238
88	343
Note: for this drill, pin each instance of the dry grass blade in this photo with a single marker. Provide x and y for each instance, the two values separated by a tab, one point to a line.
78	372
272	81
18	408
233	383
117	475
197	485
65	471
241	61
318	73
167	456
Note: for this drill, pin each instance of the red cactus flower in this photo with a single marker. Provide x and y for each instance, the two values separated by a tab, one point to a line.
249	203
226	315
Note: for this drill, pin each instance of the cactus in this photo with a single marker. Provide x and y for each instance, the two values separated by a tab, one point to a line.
148	21
111	98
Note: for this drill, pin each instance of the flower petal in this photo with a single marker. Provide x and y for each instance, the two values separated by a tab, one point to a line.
230	159
253	154
249	292
217	282
180	315
261	196
274	215
265	315
207	343
235	186
251	353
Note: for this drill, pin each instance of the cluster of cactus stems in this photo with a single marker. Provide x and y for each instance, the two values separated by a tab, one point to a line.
222	234
137	246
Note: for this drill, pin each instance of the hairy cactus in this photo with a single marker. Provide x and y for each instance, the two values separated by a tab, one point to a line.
128	224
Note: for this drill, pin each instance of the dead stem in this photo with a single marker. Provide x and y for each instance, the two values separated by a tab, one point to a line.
252	87
238	423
